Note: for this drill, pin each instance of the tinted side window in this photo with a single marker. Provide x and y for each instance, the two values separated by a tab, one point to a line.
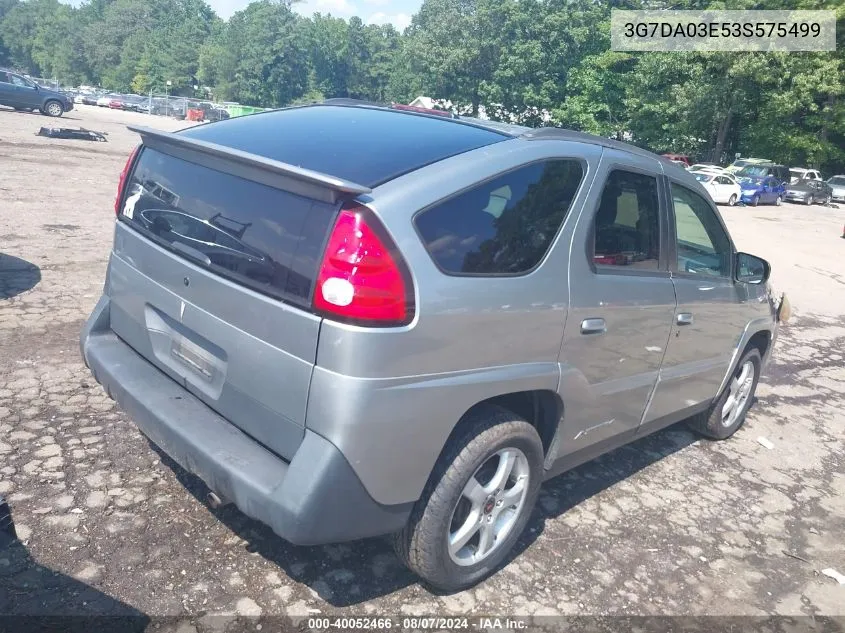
4	77
703	245
504	226
627	222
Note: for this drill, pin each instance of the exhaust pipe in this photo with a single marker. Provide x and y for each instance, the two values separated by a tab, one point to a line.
215	502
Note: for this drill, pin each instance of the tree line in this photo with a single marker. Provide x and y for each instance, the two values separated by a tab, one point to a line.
530	61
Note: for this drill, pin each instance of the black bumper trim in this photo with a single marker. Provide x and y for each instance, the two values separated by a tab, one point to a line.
314	499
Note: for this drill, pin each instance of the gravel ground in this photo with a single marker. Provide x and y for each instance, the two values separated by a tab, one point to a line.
671	525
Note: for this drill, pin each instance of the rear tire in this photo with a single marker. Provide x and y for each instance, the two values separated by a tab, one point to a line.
732	200
727	413
755	201
778	201
810	200
476	503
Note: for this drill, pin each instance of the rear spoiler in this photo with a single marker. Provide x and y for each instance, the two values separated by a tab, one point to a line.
260	169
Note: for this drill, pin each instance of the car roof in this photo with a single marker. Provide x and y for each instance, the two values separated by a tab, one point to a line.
393	142
363	144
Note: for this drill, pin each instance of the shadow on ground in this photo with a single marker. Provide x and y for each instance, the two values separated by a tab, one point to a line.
17	276
377	571
36	598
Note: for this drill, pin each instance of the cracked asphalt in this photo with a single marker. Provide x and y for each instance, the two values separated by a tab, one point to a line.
670	525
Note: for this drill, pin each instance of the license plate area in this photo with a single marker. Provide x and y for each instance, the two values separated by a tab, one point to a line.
186	353
193	357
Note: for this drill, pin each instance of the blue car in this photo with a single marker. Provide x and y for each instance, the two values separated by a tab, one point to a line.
755	190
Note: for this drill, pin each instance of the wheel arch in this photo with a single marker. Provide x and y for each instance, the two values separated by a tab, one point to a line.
541	408
759	333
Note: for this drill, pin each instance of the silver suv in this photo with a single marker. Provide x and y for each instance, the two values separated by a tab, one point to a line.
352	321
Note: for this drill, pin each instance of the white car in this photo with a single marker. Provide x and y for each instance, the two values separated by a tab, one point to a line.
723	188
710	169
104	102
703	167
837	183
799	173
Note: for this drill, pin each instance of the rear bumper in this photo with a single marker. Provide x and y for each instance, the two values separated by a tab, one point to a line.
315	498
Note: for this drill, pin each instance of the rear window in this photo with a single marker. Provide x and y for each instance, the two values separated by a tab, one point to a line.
503	226
757	171
364	145
258	236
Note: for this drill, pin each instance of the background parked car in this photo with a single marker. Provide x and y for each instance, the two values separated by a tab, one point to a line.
104	101
741	163
781	172
837	188
21	93
768	190
801	173
682	158
809	191
702	166
724	189
133	102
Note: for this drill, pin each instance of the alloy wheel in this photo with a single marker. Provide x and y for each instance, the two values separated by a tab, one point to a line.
489	507
739	391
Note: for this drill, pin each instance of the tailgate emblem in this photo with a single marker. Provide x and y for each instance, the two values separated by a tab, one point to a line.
181	312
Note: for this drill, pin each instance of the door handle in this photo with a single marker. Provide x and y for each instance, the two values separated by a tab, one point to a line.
593	326
684	318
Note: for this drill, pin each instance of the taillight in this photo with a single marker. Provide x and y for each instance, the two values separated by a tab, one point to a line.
363	278
121	184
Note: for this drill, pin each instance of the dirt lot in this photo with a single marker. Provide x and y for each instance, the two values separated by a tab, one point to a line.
671	525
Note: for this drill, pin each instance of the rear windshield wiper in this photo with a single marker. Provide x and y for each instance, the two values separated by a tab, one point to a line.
191	252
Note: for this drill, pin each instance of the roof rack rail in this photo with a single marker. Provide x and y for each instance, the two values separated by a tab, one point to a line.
410	108
350	102
561	134
305	182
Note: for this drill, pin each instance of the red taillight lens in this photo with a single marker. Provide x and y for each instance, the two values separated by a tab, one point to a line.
362	279
121	184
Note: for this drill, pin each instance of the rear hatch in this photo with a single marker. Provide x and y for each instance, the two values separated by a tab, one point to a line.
219	244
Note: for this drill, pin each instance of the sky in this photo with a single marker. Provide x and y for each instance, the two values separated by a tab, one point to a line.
397	12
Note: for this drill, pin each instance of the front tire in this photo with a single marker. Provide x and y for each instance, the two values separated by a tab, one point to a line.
810	201
476	503
732	200
755	201
778	201
53	109
727	413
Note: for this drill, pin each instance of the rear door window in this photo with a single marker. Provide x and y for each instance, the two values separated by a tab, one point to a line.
626	229
504	226
264	238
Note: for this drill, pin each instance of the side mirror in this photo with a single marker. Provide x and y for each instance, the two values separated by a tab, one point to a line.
751	269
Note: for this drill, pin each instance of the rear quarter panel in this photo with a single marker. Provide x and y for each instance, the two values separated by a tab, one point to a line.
389	398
